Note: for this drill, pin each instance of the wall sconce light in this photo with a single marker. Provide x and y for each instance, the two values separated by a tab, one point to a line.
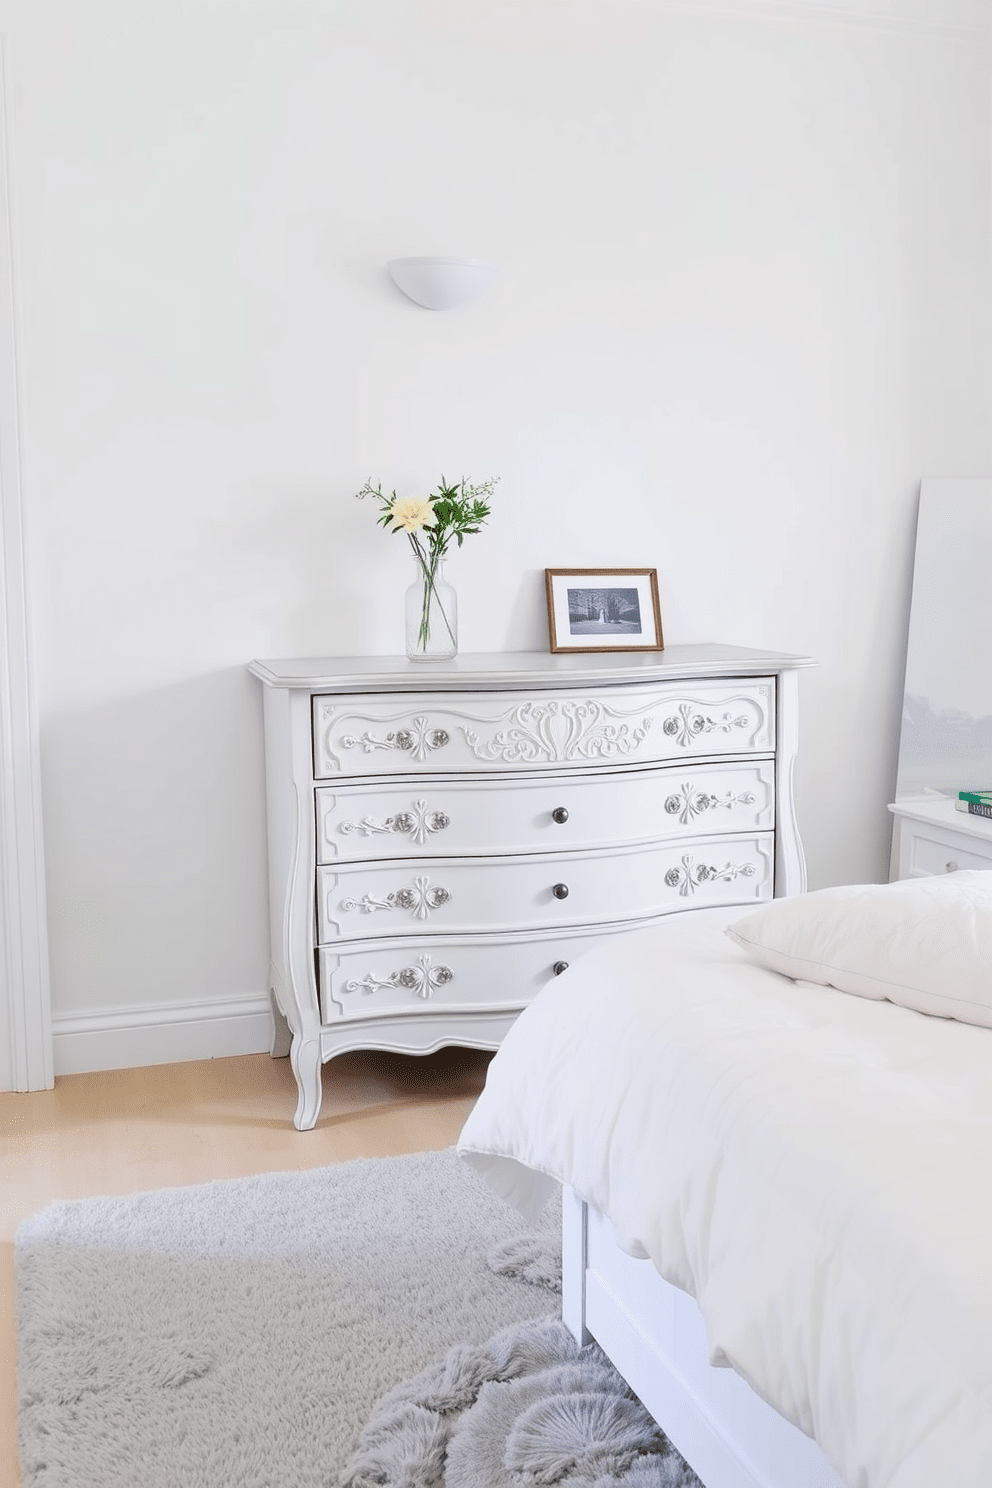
442	283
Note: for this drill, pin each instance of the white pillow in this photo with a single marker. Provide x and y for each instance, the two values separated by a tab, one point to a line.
925	943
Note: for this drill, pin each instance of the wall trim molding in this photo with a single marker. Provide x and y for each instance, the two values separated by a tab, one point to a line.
965	19
25	1003
169	1033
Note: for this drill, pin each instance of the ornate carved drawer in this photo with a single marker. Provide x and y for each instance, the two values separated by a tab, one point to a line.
444	839
540	889
518	731
543	813
461	975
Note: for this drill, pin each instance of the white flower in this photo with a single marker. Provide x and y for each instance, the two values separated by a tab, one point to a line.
411	514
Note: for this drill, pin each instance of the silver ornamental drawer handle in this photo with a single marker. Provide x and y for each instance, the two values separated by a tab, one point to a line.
421	980
418	823
690	802
690	876
418	739
420	900
689	725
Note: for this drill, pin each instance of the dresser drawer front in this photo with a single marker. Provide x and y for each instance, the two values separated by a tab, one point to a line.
446	974
543	814
525	893
406	735
933	850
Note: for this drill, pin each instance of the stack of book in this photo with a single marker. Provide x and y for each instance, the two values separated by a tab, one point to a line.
976	803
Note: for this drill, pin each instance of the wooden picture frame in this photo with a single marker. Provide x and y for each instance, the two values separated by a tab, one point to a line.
603	609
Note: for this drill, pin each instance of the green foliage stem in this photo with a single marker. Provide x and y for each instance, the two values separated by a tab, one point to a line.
459	510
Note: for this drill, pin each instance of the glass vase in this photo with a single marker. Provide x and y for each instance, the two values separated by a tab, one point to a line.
431	615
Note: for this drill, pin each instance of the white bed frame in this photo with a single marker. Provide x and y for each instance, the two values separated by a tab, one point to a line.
656	1337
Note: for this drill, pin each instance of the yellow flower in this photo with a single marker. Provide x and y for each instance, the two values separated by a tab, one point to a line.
411	514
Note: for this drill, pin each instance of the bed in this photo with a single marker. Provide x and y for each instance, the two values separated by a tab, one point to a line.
777	1214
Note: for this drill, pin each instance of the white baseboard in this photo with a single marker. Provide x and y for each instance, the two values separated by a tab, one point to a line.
170	1033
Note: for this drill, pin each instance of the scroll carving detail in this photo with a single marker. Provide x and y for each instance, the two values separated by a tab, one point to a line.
688	724
689	802
421	899
418	739
690	875
558	731
421	980
418	823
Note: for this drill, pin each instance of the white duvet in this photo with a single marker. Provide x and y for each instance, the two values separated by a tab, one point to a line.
814	1168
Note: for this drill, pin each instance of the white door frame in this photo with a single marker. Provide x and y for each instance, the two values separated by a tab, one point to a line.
25	1004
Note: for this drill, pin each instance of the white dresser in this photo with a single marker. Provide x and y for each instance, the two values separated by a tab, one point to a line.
445	838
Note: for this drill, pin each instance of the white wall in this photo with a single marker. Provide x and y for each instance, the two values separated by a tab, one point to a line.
744	305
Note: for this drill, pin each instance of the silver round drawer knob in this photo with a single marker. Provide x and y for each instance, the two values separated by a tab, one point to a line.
559	815
951	867
559	967
560	891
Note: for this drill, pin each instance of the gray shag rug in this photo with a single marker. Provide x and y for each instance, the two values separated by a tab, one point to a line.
529	1407
257	1334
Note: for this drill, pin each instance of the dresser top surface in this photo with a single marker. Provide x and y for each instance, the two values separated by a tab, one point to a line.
521	669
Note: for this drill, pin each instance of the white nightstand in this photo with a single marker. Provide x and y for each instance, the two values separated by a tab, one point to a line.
931	836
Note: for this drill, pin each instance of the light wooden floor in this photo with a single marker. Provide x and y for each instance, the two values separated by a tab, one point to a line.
177	1124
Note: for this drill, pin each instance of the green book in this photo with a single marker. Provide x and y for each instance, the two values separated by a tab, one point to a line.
968	799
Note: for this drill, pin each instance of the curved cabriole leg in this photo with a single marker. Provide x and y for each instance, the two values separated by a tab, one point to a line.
304	1056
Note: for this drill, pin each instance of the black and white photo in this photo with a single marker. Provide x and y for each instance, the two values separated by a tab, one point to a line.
614	609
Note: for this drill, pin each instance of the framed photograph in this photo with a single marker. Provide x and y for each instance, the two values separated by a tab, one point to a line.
603	609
